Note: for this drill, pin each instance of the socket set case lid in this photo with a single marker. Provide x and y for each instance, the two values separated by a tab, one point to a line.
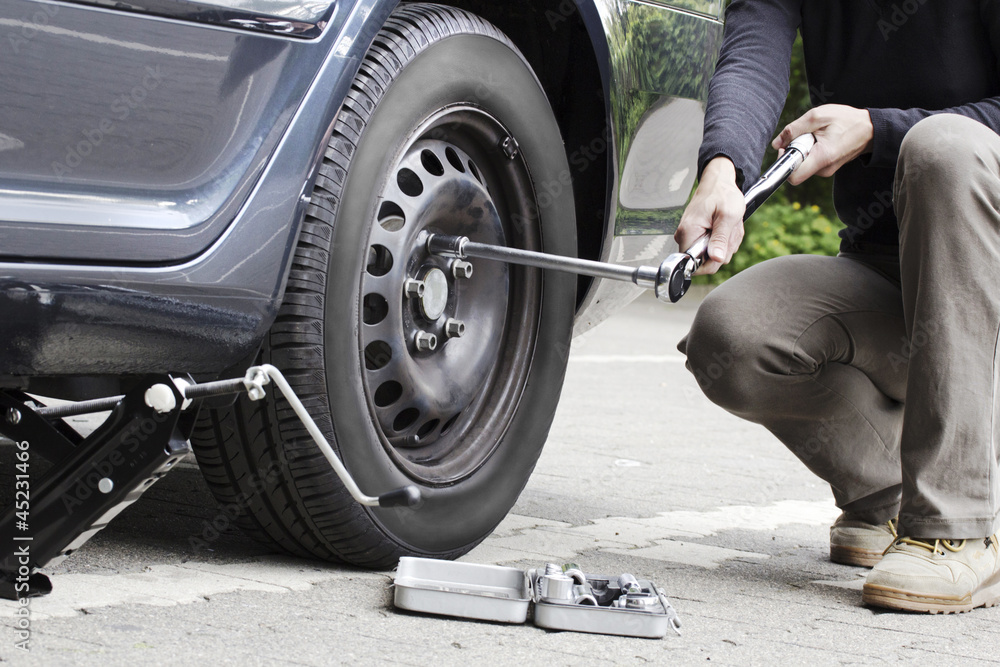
563	599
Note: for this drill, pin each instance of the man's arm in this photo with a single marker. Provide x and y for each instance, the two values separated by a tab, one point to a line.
745	99
891	125
842	134
750	84
879	132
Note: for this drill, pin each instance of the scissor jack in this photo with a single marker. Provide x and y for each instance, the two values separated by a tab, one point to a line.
92	479
671	279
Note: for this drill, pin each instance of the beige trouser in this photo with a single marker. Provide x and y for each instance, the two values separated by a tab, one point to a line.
880	373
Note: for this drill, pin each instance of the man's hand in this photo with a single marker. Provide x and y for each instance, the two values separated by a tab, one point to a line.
717	208
842	134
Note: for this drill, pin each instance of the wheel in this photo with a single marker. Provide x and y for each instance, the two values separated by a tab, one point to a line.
420	370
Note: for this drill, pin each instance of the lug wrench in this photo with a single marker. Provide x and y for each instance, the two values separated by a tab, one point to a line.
253	383
671	279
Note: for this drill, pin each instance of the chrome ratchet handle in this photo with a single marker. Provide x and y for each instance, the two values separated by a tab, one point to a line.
790	160
679	268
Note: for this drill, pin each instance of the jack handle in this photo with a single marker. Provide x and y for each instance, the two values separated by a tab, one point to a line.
258	376
161	398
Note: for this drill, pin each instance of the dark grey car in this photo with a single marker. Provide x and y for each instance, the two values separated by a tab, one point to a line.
193	187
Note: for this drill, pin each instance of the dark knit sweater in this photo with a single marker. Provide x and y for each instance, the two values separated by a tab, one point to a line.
903	60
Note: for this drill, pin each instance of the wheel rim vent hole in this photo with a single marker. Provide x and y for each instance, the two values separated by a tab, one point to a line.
379	260
428	428
377	355
451	422
431	163
376	308
388	393
453	158
475	171
391	217
409	183
405	419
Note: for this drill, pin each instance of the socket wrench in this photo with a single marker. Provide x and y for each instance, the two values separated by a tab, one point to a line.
671	279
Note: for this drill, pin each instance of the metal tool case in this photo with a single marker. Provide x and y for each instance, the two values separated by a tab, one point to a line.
587	603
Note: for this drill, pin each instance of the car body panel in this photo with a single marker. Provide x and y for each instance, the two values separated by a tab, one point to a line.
139	137
167	246
656	90
297	18
199	316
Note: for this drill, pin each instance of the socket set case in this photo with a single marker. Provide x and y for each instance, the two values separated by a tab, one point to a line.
504	594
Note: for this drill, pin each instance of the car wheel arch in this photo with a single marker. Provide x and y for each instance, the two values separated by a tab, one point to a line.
579	100
577	87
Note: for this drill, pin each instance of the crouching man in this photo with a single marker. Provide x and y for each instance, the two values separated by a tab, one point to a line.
877	368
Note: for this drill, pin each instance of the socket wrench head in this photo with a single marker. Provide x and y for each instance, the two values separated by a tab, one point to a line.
556	588
642	601
583	595
629	584
674	277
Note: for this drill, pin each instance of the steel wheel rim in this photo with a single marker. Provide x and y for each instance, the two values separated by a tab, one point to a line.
440	410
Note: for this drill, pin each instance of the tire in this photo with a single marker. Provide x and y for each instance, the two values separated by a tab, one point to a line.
417	148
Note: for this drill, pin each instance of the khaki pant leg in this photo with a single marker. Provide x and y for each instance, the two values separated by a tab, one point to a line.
813	348
947	199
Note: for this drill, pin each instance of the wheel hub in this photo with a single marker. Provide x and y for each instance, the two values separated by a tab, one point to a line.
435	297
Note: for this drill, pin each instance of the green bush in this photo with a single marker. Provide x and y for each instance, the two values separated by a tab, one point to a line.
781	228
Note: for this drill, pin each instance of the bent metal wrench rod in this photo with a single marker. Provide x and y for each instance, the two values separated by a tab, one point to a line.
671	279
161	398
258	376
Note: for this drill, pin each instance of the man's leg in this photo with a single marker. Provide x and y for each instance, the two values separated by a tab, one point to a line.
948	203
814	349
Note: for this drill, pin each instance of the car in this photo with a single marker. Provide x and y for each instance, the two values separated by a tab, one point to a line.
193	188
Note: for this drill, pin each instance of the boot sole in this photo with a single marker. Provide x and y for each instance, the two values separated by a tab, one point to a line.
892	598
854	556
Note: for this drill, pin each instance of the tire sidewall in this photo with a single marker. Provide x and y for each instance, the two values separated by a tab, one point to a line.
483	71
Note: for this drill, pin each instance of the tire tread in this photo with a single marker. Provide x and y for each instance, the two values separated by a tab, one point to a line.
304	509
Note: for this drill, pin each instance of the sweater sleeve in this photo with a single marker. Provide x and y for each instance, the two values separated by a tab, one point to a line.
750	84
891	125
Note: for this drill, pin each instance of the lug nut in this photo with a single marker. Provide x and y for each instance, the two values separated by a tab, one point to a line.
461	269
414	288
454	328
426	342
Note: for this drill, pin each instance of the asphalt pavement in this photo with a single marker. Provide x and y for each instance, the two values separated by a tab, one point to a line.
641	474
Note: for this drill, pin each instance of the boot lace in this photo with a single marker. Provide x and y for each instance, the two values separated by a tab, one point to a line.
938	546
